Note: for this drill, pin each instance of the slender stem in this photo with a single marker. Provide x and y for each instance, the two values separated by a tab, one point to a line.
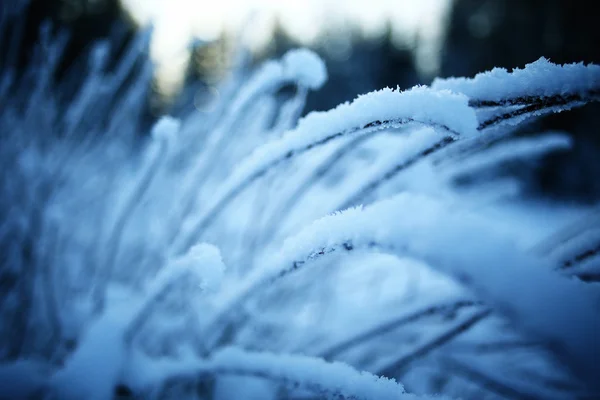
115	236
400	365
485	381
361	338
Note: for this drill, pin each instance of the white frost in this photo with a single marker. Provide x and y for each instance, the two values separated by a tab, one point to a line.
540	78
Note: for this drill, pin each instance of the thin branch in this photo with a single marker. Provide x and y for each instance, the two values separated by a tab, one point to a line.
589	96
115	236
48	289
494	347
364	191
399	366
438	309
584	255
589	276
485	381
540	107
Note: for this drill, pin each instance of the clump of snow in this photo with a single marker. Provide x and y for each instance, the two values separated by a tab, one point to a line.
166	128
206	263
540	79
202	262
300	66
305	67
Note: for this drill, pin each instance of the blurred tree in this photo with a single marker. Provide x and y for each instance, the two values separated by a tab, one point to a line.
87	20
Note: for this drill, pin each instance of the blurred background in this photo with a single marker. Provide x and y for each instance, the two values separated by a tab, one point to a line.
366	44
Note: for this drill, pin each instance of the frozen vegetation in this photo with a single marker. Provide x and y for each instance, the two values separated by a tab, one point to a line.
373	251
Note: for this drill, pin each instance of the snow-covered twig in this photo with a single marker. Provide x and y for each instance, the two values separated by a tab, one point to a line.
330	380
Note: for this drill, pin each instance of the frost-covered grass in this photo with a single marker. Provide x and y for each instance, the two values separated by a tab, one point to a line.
247	253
